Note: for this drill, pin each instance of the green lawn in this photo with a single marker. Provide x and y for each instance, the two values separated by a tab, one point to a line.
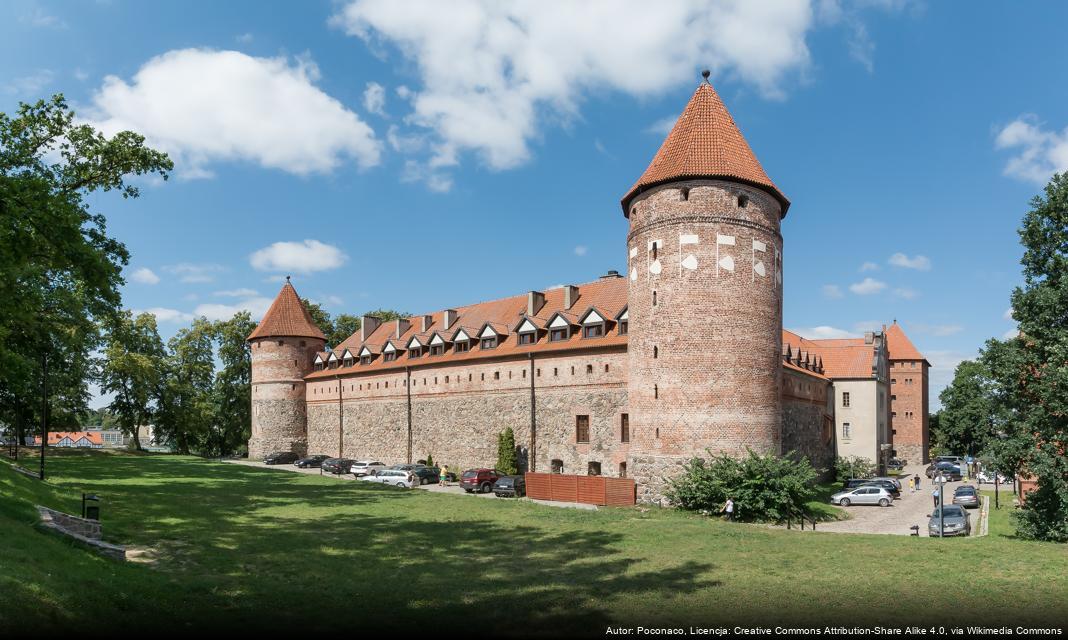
252	549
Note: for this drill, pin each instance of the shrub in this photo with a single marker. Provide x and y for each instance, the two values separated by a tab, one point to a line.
506	460
429	460
763	487
853	467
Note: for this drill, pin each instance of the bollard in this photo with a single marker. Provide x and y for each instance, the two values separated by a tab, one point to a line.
915	531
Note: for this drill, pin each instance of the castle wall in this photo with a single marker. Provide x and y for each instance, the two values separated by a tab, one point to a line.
910	405
458	410
705	307
808	419
278	390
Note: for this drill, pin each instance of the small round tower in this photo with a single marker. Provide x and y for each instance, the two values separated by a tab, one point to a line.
705	299
283	350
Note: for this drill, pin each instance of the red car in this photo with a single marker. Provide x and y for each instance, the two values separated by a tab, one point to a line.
480	480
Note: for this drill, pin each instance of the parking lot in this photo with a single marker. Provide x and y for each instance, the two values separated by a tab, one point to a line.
911	509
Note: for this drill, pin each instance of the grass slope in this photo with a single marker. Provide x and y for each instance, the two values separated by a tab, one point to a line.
255	549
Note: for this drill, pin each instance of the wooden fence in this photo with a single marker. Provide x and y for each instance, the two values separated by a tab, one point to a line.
598	490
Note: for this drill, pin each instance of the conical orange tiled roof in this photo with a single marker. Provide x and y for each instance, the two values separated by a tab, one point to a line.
705	143
287	317
899	346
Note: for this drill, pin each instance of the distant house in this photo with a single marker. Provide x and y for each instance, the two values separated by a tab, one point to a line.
73	439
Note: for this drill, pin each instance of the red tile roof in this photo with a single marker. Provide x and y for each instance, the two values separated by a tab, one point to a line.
705	143
287	317
842	358
899	345
608	295
54	437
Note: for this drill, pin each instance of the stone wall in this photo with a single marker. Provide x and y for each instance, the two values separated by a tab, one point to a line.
808	419
86	532
278	408
458	410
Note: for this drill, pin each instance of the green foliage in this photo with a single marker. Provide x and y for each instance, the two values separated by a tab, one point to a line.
506	456
232	389
853	467
763	487
59	270
429	460
339	329
968	419
131	369
1030	372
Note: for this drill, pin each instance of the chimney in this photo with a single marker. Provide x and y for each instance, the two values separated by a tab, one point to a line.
612	273
535	301
427	321
402	326
368	324
448	319
571	296
869	337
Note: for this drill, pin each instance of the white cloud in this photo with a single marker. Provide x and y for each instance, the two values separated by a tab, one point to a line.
500	70
1008	314
38	17
868	325
236	293
918	262
329	299
581	250
867	286
164	314
939	330
663	126
1010	334
943	366
194	273
906	292
1041	152
29	86
144	275
869	266
374	98
415	171
832	291
244	38
213	311
823	332
298	257
204	106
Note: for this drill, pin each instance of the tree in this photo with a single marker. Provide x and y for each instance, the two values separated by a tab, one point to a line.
966	423
1031	371
59	270
232	424
849	467
185	396
506	460
132	370
339	329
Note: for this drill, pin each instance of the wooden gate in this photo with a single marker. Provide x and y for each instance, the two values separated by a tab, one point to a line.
597	490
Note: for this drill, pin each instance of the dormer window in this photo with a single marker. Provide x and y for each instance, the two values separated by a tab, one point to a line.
365	359
437	349
526	333
389	356
366	356
529	337
558	335
331	361
593	324
415	352
489	343
623	322
461	347
488	338
559	329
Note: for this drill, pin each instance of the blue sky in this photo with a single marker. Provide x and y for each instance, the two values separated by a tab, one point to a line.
421	156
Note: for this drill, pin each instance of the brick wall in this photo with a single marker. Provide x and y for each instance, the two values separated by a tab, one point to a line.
909	404
705	341
808	419
278	409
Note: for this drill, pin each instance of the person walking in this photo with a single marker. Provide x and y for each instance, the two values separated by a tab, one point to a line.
443	478
728	508
917	479
934	495
912	485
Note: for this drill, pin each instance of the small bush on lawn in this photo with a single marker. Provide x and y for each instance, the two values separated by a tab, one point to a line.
763	487
853	467
506	458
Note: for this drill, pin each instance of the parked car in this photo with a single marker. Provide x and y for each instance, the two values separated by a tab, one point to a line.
885	484
895	464
480	480
311	462
393	477
948	469
510	487
987	477
956	520
957	460
406	466
366	467
281	457
966	496
864	495
893	481
427	475
853	483
336	466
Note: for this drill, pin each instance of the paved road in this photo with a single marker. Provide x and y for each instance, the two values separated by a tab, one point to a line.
910	509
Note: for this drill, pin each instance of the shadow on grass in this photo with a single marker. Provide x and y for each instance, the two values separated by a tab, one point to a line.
257	549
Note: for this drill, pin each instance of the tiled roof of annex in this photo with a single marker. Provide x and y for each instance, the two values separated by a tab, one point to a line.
840	357
608	296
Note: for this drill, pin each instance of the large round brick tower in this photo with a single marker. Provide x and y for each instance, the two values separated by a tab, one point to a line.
705	299
283	350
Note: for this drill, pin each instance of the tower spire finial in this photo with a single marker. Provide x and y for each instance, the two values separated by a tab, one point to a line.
705	74
287	278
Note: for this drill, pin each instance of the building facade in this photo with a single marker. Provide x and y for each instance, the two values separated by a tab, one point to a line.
629	375
909	397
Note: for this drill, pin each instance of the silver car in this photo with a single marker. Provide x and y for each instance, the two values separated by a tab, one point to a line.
863	495
393	477
966	496
956	522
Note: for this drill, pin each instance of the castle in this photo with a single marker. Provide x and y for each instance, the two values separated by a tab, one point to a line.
629	375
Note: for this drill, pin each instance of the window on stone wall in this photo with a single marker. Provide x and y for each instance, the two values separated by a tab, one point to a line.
624	428
557	465
845	398
582	429
893	397
622	469
589	369
847	431
496	375
593	468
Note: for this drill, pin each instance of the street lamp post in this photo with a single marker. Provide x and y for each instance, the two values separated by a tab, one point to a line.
941	503
44	410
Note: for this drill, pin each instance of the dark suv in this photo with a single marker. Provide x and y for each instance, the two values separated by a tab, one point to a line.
311	462
337	465
281	457
510	487
480	480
